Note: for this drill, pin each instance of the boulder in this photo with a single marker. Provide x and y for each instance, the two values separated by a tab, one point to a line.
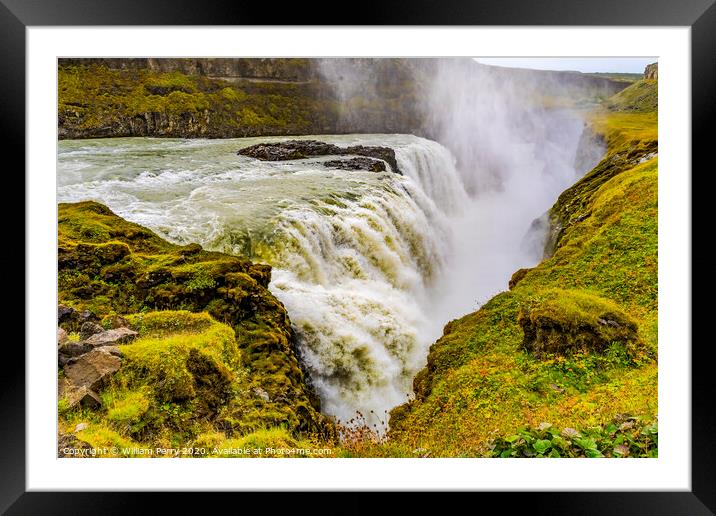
79	396
113	350
70	350
91	370
566	321
112	337
86	316
300	149
69	445
370	164
65	313
61	336
88	329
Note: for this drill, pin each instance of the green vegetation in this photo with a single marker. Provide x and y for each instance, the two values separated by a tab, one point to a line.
181	385
492	380
230	366
630	438
96	101
623	77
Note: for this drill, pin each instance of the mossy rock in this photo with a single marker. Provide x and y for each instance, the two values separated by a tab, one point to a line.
517	277
114	267
569	321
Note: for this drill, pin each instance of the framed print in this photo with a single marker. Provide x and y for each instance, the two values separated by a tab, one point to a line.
408	253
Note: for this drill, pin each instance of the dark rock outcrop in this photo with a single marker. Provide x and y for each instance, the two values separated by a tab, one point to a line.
572	321
370	164
71	350
301	149
65	313
517	277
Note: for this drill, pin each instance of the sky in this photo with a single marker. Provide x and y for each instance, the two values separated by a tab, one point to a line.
580	64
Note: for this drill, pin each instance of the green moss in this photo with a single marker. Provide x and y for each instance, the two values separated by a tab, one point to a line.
101	436
640	96
127	408
565	321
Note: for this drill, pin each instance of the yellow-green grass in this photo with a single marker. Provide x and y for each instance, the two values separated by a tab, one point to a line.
640	96
480	384
159	396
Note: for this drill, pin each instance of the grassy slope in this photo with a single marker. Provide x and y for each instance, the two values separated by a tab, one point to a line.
480	385
642	96
624	77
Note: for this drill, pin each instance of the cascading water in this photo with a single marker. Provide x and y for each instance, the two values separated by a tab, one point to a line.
369	265
355	254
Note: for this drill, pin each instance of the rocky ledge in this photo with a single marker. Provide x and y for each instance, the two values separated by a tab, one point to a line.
370	164
301	149
119	280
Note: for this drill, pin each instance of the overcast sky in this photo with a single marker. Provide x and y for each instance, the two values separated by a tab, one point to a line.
580	64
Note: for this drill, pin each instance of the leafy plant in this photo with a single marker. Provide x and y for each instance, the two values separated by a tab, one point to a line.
623	437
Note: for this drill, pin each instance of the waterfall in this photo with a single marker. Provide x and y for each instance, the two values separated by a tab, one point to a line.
355	254
370	265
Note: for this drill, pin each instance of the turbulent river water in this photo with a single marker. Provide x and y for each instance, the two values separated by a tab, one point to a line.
369	265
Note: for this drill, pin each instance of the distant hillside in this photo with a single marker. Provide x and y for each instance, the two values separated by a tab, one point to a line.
642	96
225	97
621	77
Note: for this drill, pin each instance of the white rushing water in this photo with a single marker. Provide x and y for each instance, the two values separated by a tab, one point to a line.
369	265
355	253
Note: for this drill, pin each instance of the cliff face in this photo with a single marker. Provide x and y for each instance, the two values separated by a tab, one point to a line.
652	71
291	70
224	98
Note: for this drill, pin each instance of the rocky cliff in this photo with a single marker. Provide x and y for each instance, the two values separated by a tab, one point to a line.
222	97
652	71
200	344
285	69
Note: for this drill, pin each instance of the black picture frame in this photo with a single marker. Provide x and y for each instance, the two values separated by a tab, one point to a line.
700	15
